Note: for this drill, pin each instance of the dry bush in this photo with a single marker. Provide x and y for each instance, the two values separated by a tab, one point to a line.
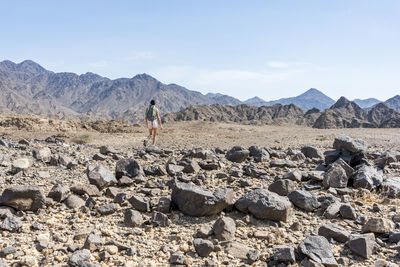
82	139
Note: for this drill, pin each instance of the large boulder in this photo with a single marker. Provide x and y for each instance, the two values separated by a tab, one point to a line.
391	187
304	200
350	144
237	154
101	177
335	177
312	152
367	177
195	201
264	204
318	249
23	198
362	245
128	167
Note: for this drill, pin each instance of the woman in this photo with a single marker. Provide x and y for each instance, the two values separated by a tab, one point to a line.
152	119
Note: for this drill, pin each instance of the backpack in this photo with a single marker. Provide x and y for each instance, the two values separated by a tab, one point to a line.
151	113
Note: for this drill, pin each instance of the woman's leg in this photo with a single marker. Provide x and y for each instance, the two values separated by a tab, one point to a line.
154	136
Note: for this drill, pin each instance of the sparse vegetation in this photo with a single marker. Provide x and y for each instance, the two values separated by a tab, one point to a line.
82	139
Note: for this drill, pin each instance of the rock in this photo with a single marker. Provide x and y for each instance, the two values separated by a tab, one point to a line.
304	200
107	209
203	247
93	242
105	150
20	165
347	212
177	258
139	203
189	165
333	210
99	157
378	225
59	192
132	218
362	245
23	198
204	154
126	181
101	177
349	144
252	256
284	254
280	163
394	236
282	187
88	189
391	187
335	232
312	152
174	169
194	201
318	249
224	229
43	154
64	160
237	154
7	251
164	205
259	154
159	219
335	177
74	202
120	198
237	250
293	175
264	204
111	192
11	224
79	257
128	167
367	177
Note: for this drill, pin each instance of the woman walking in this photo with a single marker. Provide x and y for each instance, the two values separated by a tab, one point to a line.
152	119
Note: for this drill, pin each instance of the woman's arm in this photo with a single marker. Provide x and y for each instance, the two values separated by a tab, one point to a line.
159	120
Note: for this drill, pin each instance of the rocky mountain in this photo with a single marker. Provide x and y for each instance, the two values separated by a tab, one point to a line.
29	88
277	114
394	103
366	103
256	101
312	98
224	99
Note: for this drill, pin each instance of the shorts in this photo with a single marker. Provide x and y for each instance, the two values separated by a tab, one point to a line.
152	124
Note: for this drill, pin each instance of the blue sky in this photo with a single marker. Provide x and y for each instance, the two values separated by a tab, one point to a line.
271	49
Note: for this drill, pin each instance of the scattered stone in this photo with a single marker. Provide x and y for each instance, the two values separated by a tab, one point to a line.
333	210
259	154
164	205
203	247
391	187
101	177
264	204
237	250
282	187
23	198
74	202
224	229
132	218
20	165
367	177
280	163
378	225
312	152
335	232
88	189
11	224
105	150
304	200
99	157
43	154
362	245
79	257
237	154
318	249
293	175
284	254
107	209
139	203
59	192
335	177
349	144
177	258
128	167
347	212
194	201
93	242
159	219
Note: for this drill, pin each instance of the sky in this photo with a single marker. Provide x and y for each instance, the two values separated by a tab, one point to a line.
264	48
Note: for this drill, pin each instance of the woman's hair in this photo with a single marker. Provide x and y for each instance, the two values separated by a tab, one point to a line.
152	102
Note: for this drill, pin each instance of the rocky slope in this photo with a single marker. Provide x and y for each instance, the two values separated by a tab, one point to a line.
394	103
366	103
80	205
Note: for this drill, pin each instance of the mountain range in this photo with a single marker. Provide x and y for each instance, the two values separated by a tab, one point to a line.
27	87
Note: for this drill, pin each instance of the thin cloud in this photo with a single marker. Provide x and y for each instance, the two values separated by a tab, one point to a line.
282	64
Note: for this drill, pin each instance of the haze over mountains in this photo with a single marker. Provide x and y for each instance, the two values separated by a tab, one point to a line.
29	88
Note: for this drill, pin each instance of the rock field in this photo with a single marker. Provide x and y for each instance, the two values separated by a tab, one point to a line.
64	204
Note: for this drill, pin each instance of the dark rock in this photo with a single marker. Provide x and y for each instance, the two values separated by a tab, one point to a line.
284	254
349	144
282	187
43	154
264	204
105	150
164	205
174	169
73	201
11	224
101	177
88	189
304	200
120	198
293	175
79	257
177	258
318	249
194	201
252	256
312	152
7	251
128	167
347	212
335	177
378	225
394	236
59	192
23	198
203	247
391	187
362	245
237	154
334	231
259	154
139	203
224	229
99	157
367	177
280	163
189	165
204	231
132	218
237	250
159	219
107	209
93	242
125	181
111	192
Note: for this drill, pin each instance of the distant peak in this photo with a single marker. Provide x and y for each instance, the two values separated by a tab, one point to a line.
29	65
144	76
342	102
